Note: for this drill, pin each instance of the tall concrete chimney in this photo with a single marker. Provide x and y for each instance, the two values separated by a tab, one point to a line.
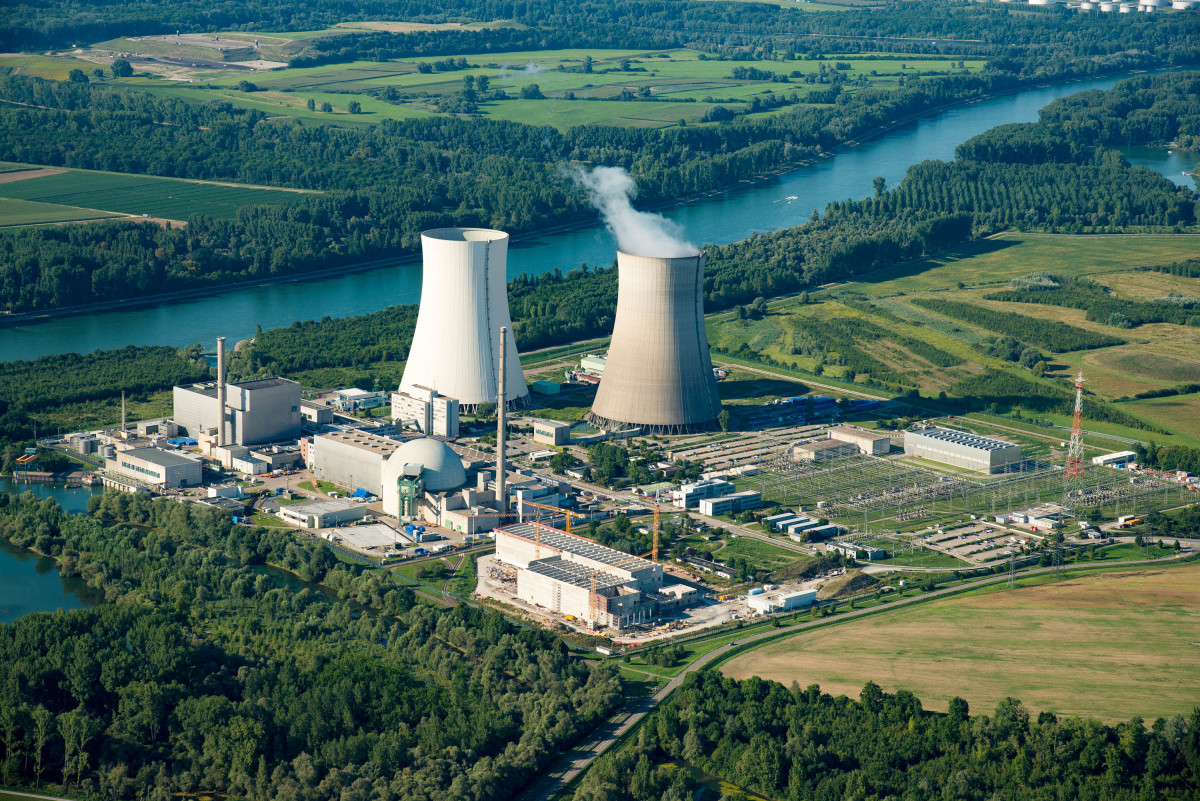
122	414
501	428
221	392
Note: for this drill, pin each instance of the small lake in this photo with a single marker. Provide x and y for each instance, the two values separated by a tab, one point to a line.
31	583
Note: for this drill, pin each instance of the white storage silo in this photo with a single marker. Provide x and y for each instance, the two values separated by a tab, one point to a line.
464	303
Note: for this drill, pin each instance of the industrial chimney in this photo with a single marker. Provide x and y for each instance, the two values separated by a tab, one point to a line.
221	441
464	304
658	374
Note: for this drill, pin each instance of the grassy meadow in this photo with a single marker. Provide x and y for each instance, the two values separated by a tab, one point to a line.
1110	646
89	194
631	88
892	334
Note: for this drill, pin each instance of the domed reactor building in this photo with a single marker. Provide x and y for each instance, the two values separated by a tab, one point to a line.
464	303
659	374
417	467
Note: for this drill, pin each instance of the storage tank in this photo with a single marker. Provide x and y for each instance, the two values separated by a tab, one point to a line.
658	374
464	303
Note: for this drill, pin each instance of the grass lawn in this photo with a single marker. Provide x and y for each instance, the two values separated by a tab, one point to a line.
698	648
27	212
1127	551
321	486
1110	646
1179	413
995	261
269	521
759	554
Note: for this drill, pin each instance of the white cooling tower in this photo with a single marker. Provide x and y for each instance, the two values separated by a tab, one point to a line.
658	374
464	303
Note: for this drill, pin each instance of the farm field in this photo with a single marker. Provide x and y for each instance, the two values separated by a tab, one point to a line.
1180	412
15	213
625	87
165	198
1110	646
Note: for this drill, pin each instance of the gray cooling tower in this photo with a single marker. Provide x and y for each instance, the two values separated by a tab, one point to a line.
659	374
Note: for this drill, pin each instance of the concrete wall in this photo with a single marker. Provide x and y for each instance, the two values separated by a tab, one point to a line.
265	413
346	465
194	412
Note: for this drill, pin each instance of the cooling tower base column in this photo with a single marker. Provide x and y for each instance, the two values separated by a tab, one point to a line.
668	429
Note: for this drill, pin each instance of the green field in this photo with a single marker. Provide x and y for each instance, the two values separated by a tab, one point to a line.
164	198
1111	646
661	87
26	212
1181	412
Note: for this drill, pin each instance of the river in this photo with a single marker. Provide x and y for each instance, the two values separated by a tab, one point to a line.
721	218
31	583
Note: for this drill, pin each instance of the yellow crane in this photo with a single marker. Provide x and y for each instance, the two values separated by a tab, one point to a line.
567	513
594	596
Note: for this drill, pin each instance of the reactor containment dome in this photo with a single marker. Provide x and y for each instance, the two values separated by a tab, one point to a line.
464	303
659	374
420	466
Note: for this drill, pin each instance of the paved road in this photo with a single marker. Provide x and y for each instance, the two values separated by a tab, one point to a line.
578	760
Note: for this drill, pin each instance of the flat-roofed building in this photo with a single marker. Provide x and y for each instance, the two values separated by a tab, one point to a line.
689	495
731	504
551	432
822	450
322	513
156	468
961	449
868	442
316	413
351	459
430	413
266	410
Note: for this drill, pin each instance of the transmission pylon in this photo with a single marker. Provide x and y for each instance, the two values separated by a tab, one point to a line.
1074	476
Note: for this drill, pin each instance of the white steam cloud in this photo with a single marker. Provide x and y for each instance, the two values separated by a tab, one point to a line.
638	233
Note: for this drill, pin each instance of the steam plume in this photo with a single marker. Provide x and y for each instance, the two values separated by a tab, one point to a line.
638	233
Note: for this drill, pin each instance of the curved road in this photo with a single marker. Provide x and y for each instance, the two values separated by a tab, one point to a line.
574	763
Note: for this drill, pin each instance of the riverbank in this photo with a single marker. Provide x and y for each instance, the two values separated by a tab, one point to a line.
10	320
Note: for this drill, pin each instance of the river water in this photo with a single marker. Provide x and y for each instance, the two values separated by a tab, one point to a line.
30	583
721	218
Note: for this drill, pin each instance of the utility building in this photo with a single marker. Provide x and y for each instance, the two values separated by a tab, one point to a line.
868	442
689	495
432	414
266	410
658	373
961	449
156	468
823	449
731	504
551	432
351	459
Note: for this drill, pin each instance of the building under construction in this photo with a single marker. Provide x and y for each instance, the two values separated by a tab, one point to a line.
577	578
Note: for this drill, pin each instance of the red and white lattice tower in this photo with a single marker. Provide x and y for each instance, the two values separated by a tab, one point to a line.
1075	449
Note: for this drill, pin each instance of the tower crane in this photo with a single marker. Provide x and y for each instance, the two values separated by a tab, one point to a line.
566	513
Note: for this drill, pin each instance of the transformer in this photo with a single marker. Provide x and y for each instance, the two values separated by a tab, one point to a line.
658	375
464	304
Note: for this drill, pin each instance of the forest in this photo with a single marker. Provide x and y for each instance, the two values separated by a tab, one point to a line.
209	671
792	744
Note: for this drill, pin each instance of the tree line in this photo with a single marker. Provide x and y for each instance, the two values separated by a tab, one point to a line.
1049	334
793	743
207	672
1101	305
